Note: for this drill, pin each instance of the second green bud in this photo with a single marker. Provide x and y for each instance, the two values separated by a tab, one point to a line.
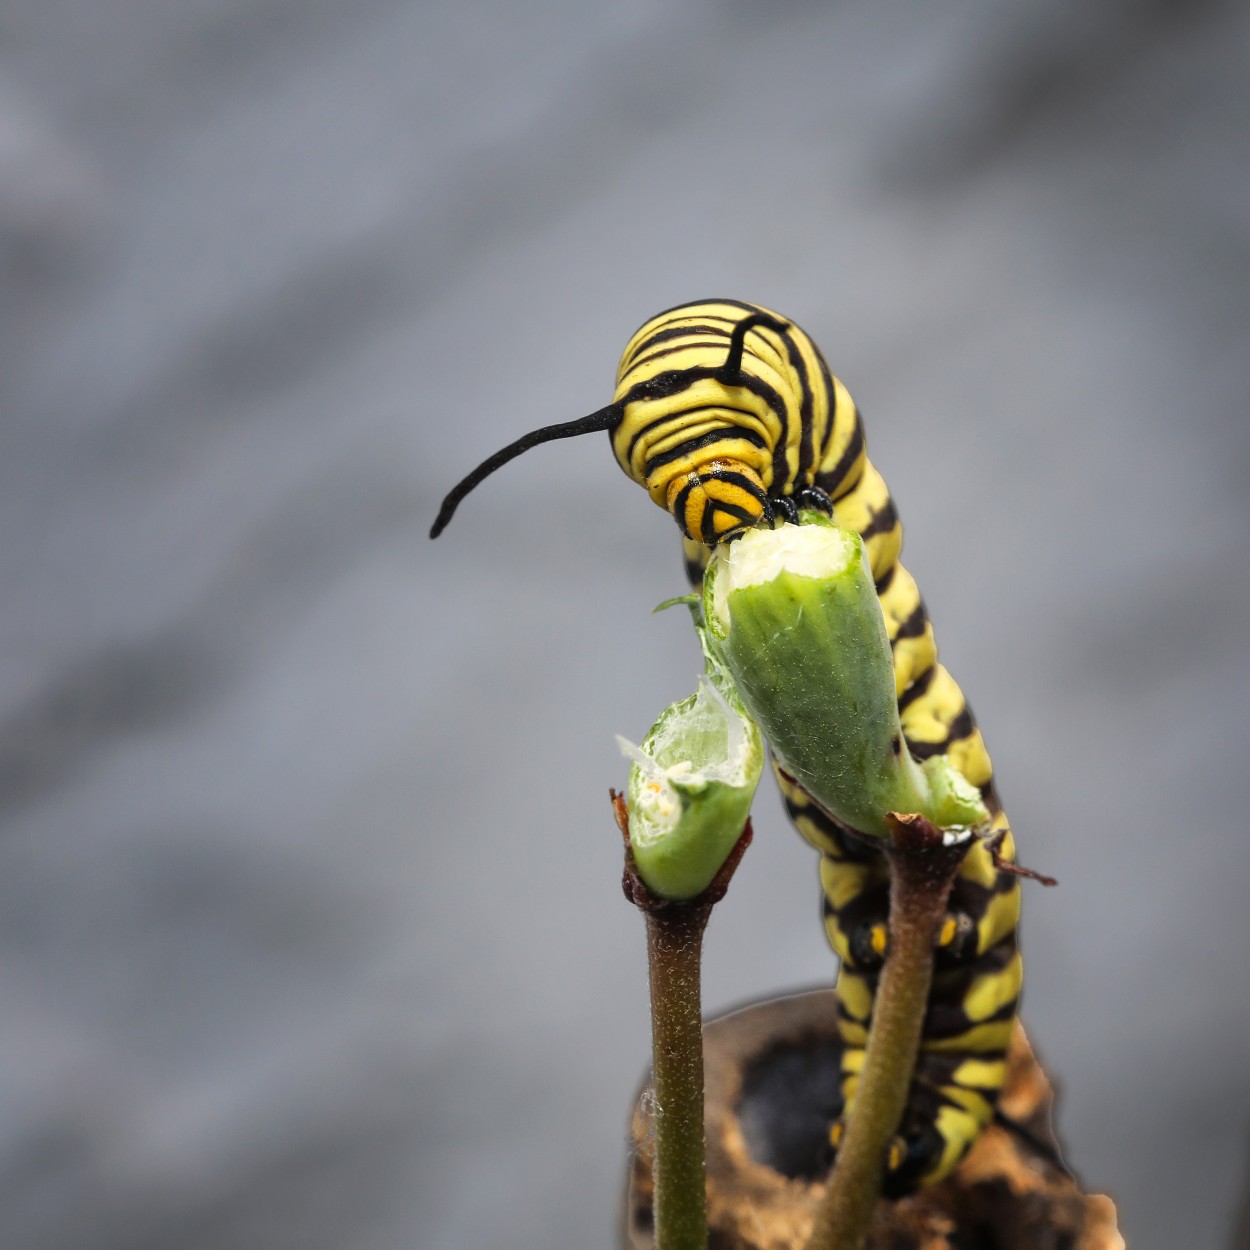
794	615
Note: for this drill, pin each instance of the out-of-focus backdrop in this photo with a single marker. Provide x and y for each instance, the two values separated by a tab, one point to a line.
310	926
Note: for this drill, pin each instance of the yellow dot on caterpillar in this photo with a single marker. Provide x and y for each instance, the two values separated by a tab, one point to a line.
896	1154
835	1134
879	939
947	935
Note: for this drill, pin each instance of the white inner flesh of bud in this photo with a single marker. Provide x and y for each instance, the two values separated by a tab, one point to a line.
760	555
690	746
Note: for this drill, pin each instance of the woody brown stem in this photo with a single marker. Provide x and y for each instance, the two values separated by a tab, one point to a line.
674	962
674	953
922	871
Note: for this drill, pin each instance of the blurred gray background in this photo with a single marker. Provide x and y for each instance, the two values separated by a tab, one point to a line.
310	926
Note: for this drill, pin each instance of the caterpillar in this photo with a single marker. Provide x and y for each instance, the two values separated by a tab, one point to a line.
727	415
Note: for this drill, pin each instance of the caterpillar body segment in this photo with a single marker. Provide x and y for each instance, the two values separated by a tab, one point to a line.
726	414
972	1002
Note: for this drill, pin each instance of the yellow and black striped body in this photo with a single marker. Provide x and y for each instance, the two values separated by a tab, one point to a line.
714	454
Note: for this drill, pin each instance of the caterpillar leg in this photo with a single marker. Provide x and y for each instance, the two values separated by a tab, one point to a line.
909	1158
913	1156
957	940
814	497
787	506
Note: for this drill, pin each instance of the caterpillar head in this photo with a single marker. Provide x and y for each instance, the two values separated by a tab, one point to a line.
717	501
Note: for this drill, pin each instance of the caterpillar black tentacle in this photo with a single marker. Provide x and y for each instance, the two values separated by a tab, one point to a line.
731	371
604	419
727	415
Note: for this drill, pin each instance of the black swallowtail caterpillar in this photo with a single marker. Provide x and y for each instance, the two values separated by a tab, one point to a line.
727	415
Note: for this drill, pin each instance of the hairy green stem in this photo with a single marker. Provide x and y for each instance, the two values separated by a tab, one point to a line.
674	956
922	871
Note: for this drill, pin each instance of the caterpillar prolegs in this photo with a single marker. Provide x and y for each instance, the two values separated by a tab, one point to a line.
727	414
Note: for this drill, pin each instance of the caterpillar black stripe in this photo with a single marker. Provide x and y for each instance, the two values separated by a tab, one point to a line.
727	415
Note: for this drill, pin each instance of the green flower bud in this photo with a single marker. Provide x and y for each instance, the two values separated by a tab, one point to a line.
794	615
691	786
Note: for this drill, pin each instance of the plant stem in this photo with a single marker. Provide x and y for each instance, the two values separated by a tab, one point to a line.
674	954
674	964
922	871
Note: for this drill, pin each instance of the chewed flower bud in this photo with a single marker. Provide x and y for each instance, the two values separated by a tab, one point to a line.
691	786
794	615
